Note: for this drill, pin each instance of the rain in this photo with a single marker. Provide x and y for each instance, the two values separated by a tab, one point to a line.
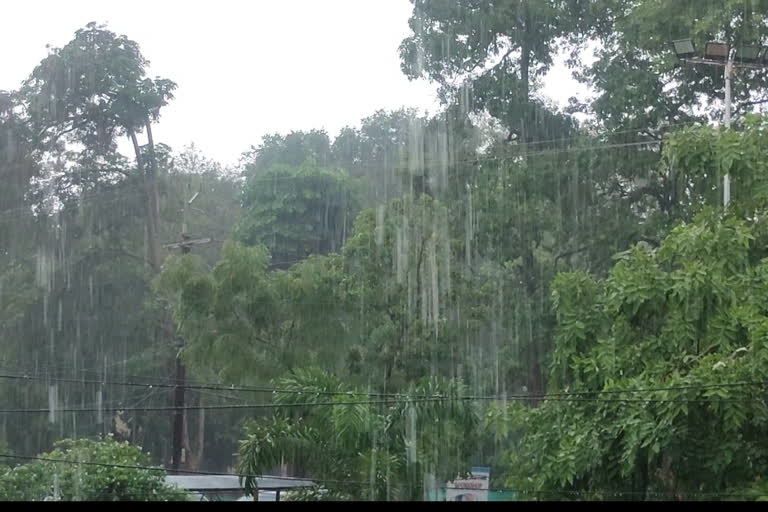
406	250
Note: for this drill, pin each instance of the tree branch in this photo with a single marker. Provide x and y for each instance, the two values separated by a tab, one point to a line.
253	328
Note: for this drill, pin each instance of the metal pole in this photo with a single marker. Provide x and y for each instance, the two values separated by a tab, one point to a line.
728	75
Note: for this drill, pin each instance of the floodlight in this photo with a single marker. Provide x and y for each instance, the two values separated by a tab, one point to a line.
684	48
750	54
716	51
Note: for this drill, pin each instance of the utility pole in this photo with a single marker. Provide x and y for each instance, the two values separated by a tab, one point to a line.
728	101
720	54
185	245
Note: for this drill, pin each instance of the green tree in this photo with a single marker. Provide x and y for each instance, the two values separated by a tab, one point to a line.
223	314
498	51
91	91
293	150
244	324
86	470
641	84
362	451
296	211
686	319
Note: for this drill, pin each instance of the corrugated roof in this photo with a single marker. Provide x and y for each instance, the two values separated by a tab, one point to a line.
232	483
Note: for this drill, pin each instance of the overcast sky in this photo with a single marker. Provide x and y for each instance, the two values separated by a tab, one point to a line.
245	68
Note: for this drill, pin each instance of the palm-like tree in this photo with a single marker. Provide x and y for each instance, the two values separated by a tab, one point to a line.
360	446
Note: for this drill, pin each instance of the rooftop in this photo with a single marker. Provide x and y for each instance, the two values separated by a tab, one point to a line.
232	482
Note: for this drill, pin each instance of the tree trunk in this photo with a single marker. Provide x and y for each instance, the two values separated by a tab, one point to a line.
535	380
154	199
326	244
525	57
150	186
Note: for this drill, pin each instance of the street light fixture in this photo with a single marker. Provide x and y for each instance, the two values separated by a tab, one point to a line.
720	54
750	54
684	48
716	51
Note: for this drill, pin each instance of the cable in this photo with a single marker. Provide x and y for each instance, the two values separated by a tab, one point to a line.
607	134
225	387
543	396
219	407
315	481
638	401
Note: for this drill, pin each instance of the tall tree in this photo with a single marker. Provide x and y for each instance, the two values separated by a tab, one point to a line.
643	87
294	201
497	50
91	91
665	354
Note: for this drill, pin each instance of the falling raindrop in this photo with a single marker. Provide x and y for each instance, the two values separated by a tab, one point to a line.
53	402
411	433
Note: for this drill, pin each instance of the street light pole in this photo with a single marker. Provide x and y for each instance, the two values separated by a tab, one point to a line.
720	54
728	101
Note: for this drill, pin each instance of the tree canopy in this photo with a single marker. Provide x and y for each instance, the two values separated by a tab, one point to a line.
86	470
554	292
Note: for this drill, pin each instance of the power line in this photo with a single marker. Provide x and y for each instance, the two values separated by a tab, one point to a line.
254	406
290	405
276	390
612	133
224	387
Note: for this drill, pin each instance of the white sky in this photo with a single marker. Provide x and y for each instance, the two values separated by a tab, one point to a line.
246	68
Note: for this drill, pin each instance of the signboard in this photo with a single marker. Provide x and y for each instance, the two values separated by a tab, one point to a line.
473	488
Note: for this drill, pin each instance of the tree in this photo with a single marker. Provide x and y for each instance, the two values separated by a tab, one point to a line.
362	451
222	314
403	277
245	324
685	322
89	470
296	211
498	51
488	58
642	86
91	91
295	200
293	150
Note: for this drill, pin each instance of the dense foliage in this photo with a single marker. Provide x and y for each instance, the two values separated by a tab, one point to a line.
554	292
103	470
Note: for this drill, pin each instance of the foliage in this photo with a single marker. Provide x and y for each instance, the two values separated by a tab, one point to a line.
643	86
497	50
357	449
696	159
688	319
296	211
93	90
88	471
407	255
